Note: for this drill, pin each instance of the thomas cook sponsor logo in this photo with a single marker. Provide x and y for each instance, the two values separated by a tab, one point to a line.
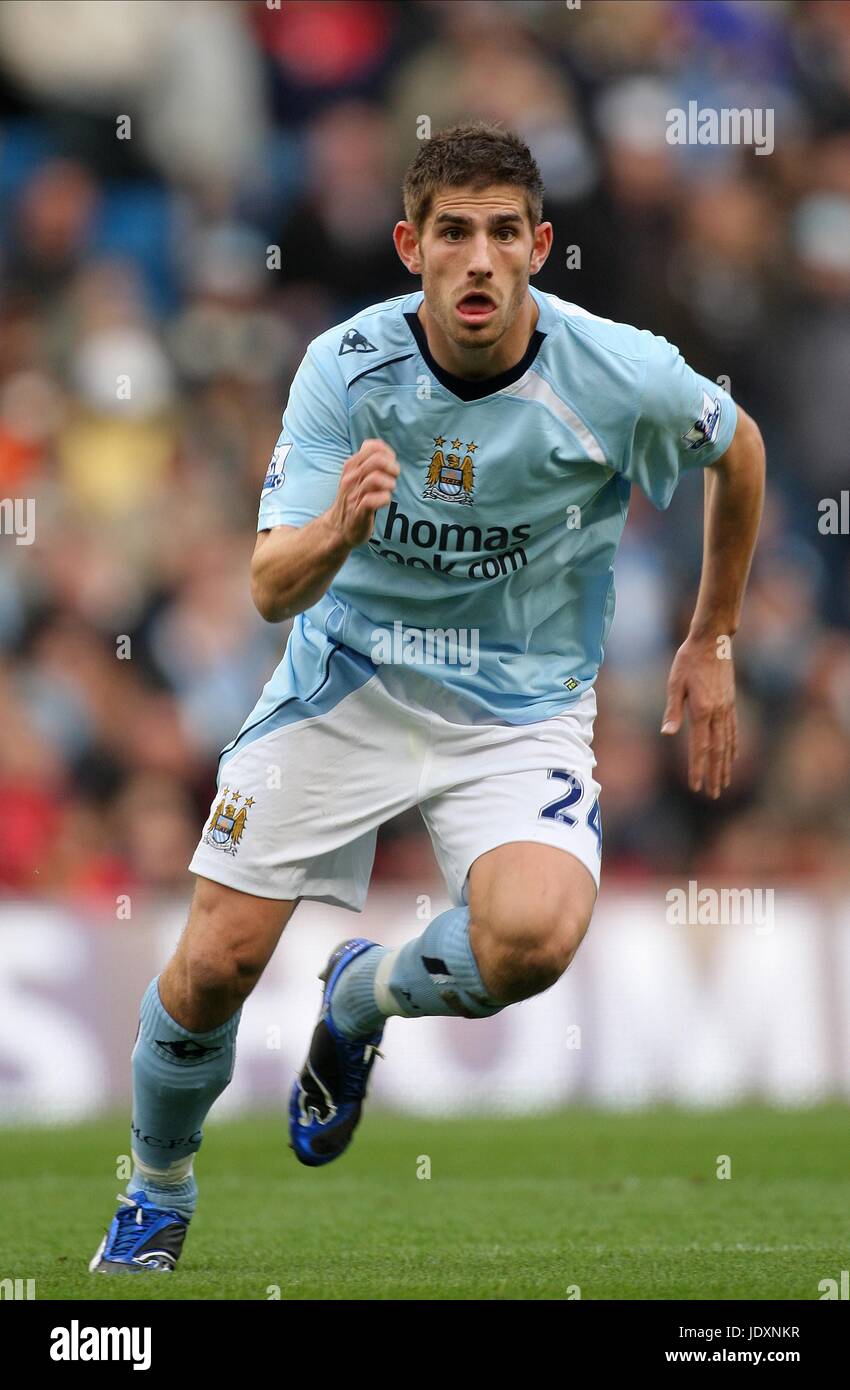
472	552
227	824
451	475
76	1343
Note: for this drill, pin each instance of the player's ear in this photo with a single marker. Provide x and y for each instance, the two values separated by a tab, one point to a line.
543	235
406	242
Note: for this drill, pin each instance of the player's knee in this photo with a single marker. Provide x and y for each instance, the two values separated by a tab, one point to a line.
543	958
529	960
218	968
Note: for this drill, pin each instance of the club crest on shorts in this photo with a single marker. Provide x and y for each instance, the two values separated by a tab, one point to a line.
227	824
451	476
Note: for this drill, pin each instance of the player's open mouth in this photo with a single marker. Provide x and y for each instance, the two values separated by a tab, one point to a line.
474	308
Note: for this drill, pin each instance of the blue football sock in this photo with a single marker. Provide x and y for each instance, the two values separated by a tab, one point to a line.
176	1077
436	973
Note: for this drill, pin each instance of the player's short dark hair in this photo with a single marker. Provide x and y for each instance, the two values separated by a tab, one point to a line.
475	155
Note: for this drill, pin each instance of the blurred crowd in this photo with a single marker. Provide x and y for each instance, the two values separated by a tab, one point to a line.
191	191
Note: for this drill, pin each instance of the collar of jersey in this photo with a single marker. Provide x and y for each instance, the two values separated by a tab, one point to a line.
476	390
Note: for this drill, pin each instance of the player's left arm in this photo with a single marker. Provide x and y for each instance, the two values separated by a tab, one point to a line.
703	674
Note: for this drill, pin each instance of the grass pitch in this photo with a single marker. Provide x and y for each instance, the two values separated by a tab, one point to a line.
622	1206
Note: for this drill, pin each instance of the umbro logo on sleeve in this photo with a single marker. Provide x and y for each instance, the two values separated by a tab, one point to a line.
353	341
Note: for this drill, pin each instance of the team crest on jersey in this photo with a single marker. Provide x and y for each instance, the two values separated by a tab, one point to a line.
704	430
353	341
451	475
227	824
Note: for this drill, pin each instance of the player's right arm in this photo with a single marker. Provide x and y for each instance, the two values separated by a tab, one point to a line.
293	566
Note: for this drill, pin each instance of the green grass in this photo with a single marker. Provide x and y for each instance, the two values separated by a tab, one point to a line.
625	1206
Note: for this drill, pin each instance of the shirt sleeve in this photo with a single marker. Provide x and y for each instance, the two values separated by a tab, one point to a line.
684	420
303	475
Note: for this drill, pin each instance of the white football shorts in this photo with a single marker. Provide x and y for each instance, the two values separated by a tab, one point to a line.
303	789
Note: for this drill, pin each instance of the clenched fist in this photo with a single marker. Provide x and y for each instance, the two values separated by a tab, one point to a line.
366	484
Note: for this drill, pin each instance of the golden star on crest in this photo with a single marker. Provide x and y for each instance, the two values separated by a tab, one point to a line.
439	441
456	443
471	447
249	800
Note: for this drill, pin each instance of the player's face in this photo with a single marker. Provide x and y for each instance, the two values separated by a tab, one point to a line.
477	250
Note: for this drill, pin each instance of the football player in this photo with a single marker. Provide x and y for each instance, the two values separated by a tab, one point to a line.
440	519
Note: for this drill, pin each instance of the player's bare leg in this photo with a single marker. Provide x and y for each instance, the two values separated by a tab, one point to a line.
182	1061
227	943
529	907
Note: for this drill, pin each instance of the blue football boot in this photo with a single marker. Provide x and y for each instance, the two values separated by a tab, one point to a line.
327	1097
141	1237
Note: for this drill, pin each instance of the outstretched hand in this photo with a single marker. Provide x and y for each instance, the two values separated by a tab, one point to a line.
703	675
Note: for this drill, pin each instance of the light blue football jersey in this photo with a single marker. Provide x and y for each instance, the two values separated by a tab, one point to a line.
508	510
